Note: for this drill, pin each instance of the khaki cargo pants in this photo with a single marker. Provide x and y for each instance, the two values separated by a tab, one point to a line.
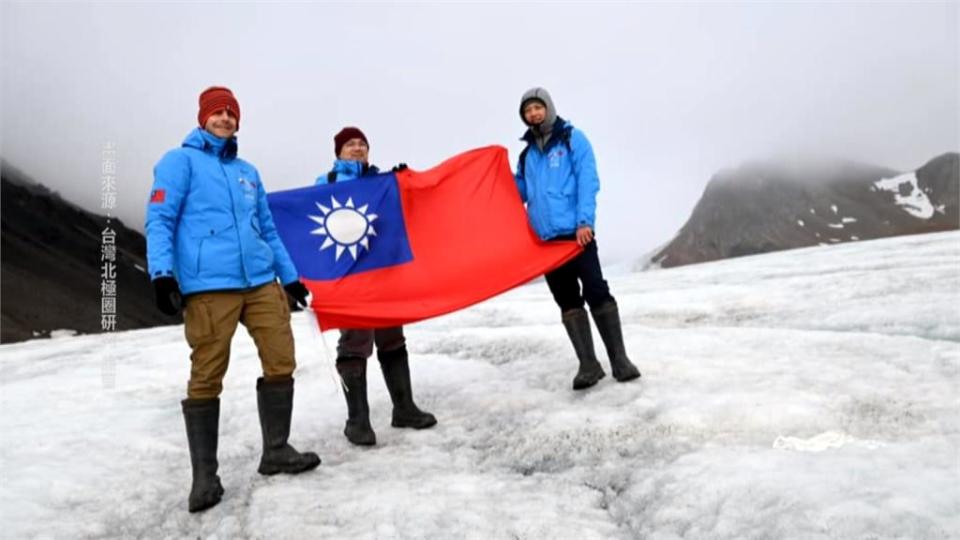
211	318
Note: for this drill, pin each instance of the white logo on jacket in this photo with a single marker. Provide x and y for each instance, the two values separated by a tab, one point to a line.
554	157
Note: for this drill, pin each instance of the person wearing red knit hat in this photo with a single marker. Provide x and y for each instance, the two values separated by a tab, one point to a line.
355	346
216	99
213	247
352	135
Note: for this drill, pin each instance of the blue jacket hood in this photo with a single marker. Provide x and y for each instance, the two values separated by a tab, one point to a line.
348	169
205	141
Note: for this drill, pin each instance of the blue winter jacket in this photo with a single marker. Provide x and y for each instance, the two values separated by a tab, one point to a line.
347	169
559	183
208	223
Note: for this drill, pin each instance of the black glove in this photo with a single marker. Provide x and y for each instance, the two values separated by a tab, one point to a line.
168	295
399	167
298	291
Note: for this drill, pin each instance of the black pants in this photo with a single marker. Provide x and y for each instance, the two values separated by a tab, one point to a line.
583	269
359	343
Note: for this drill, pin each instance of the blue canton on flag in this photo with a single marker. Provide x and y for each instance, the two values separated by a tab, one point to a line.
333	230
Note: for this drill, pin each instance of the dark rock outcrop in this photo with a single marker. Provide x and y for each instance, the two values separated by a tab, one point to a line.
50	266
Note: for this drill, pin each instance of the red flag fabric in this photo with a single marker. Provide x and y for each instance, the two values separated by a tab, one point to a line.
470	240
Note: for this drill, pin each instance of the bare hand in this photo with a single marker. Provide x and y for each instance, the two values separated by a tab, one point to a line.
584	235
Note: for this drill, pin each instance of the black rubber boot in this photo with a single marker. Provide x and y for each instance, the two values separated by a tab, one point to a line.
607	318
275	403
353	371
202	418
578	328
396	373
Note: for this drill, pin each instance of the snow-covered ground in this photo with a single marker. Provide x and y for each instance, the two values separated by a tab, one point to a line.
802	394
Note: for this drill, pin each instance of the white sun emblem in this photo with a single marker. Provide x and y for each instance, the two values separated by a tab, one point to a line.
344	226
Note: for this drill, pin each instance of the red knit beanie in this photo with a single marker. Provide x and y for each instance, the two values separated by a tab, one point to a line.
345	135
214	100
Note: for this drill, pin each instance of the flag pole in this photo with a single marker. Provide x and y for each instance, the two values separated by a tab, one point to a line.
314	323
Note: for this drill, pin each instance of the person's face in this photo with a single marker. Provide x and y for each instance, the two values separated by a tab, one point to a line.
355	150
534	113
222	123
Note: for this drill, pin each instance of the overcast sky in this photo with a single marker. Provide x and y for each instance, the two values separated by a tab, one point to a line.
668	94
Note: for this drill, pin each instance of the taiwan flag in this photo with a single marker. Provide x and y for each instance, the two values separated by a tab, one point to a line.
396	248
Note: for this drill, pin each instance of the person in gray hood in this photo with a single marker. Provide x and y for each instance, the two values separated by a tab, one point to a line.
557	179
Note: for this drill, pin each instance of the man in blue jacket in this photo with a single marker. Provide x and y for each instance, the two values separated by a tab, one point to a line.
211	241
352	150
557	179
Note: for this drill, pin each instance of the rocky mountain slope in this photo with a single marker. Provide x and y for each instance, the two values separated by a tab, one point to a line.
50	266
763	207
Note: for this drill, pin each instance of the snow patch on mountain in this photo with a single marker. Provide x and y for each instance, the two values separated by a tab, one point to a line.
908	194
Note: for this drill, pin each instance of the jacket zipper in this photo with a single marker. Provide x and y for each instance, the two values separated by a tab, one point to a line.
236	225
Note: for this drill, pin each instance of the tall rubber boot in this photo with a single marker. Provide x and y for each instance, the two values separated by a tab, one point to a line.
577	324
396	373
202	418
275	404
353	371
607	318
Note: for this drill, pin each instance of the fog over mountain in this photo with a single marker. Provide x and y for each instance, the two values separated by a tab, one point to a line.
668	94
767	206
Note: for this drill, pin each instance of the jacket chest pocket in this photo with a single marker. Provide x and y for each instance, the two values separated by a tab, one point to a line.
248	192
553	171
244	185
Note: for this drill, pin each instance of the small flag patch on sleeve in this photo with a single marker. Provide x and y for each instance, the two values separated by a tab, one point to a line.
158	195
